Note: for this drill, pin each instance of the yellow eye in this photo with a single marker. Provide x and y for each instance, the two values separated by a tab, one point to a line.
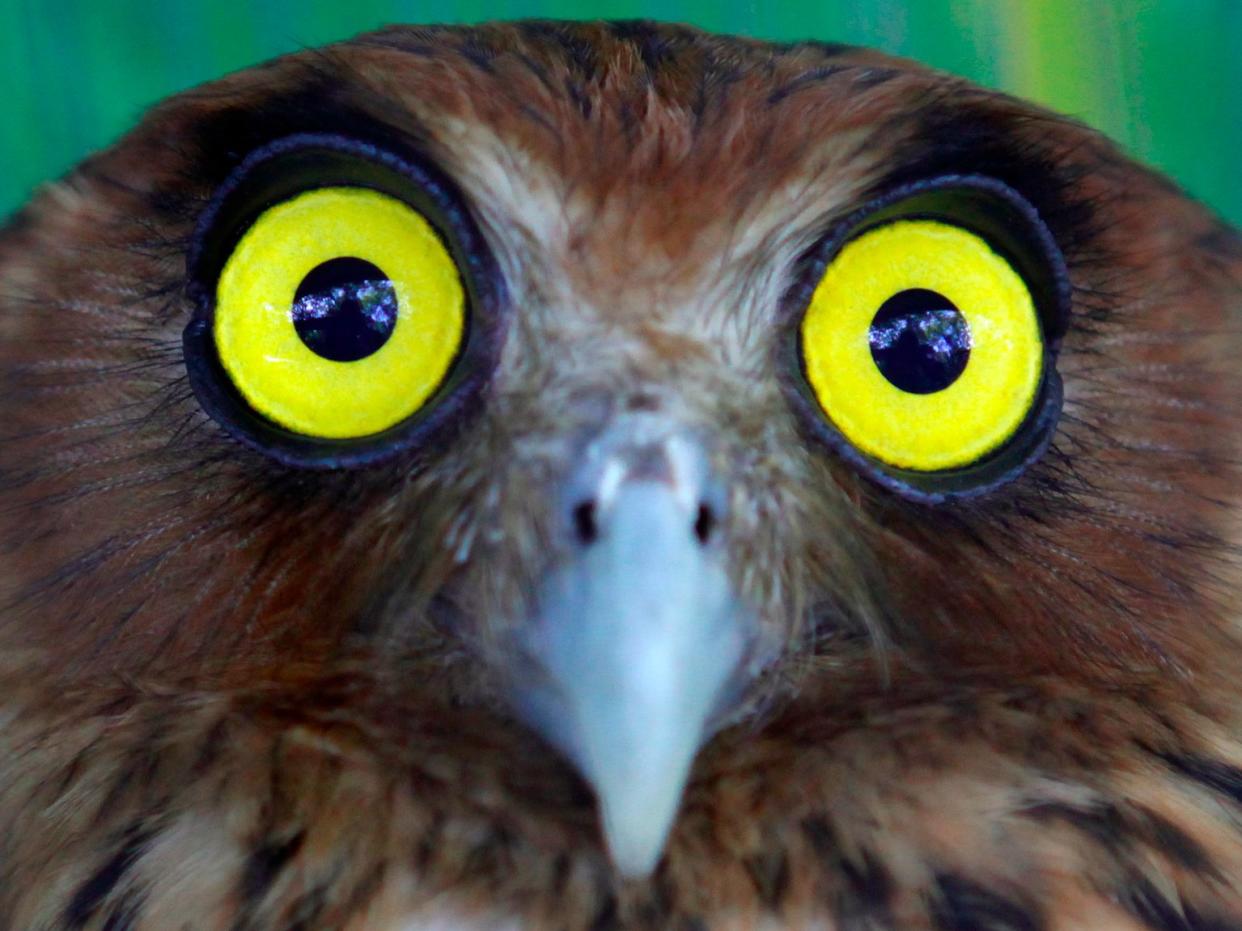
339	313
923	346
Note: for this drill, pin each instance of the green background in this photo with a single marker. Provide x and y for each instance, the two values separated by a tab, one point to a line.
1164	77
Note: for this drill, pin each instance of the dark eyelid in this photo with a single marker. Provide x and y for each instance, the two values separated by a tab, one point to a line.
984	205
305	161
326	101
977	134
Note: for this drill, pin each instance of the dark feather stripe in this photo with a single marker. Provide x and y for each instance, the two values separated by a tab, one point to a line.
577	53
1115	830
962	905
769	871
656	46
607	918
1149	906
125	914
1210	923
92	893
265	864
1217	776
868	888
803	81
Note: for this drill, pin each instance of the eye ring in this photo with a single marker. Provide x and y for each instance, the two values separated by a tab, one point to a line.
296	165
1011	227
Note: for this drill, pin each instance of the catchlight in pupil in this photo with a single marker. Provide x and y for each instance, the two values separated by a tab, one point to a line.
345	309
920	342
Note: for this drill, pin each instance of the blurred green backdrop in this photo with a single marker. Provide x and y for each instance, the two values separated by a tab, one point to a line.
1164	77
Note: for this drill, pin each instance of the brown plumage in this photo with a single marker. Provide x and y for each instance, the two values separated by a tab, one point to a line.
238	694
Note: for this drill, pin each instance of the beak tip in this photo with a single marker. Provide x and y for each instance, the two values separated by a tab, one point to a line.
636	836
635	865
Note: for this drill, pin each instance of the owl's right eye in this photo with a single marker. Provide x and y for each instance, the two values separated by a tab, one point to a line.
347	308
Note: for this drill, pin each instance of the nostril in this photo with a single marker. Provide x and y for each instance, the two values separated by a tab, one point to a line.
585	525
643	401
704	523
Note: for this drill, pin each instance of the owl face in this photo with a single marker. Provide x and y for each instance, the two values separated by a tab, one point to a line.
624	385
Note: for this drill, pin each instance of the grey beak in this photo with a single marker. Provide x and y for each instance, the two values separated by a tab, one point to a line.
639	637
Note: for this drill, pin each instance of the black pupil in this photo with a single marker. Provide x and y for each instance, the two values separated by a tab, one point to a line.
920	342
345	309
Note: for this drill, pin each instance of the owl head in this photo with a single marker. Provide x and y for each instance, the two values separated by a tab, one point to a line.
609	408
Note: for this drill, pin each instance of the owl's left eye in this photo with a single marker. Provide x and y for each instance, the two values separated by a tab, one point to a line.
928	334
923	345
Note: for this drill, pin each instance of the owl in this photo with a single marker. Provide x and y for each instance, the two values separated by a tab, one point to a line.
549	475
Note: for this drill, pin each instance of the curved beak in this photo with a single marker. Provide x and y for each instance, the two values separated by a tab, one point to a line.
640	642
